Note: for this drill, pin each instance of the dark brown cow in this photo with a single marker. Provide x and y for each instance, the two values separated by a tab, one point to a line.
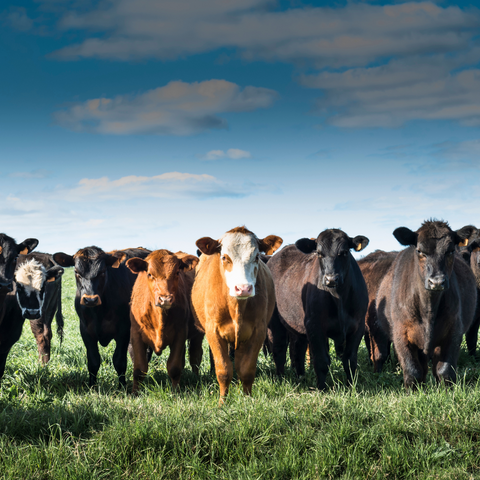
102	302
426	302
11	320
160	313
374	267
233	297
321	294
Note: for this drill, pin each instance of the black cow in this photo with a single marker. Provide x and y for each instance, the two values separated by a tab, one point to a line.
426	302
321	294
10	324
374	267
102	302
38	283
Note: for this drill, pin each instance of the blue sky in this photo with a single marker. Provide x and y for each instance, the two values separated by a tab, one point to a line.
157	122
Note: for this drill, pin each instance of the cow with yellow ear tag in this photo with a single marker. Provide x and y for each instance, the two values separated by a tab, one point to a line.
320	294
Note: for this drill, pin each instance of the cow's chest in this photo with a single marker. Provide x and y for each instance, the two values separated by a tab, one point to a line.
226	330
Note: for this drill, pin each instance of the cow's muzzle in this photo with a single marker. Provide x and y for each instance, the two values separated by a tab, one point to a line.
164	301
32	314
91	300
243	291
331	281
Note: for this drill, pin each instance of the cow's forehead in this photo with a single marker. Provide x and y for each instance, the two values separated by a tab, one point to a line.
85	264
31	274
239	246
332	239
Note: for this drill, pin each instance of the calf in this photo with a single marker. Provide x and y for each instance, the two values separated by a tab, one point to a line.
11	320
471	254
321	294
374	267
233	297
426	302
104	287
38	282
161	315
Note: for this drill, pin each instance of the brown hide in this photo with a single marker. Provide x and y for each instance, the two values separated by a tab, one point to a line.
226	319
156	327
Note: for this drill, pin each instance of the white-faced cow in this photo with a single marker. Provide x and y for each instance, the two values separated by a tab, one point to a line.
38	284
11	324
233	297
102	302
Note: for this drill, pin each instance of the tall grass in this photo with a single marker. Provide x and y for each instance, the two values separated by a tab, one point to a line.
52	426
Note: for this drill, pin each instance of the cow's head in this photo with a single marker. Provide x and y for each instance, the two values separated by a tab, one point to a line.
162	270
239	256
9	251
332	247
91	272
31	278
435	244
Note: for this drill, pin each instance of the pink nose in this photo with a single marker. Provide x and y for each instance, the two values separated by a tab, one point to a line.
243	290
164	301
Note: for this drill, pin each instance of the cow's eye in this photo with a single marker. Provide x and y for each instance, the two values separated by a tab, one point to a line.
149	275
421	254
450	253
342	254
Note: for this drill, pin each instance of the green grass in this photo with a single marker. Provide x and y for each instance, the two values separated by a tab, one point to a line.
53	427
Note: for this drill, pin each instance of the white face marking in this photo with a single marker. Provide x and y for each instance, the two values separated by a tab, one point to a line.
242	250
31	275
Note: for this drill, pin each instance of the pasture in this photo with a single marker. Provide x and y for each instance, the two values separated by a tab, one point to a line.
53	427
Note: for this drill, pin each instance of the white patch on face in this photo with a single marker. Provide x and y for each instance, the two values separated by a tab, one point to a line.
31	275
242	250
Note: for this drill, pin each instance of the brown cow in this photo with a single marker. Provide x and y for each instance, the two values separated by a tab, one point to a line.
160	313
426	302
374	267
233	298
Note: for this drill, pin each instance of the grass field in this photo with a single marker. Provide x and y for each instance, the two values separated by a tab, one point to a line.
53	427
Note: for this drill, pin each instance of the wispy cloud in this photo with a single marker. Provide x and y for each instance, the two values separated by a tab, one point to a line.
353	35
233	153
178	108
17	19
32	174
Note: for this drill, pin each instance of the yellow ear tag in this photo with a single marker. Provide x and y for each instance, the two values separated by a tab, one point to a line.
463	243
24	251
358	247
51	279
1	249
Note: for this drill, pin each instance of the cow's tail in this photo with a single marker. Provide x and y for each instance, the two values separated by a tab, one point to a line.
58	315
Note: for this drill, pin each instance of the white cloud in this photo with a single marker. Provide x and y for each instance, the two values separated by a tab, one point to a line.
402	90
18	19
32	174
350	36
233	153
178	108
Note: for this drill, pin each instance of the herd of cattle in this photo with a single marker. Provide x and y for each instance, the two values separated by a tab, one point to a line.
242	298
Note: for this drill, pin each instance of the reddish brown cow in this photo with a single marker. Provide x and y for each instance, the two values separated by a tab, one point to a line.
160	313
233	298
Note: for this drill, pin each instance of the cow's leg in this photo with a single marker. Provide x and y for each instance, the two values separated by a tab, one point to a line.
349	357
319	355
246	356
42	337
445	356
298	349
278	338
93	356
176	361
380	347
140	364
120	359
223	364
472	334
414	363
195	352
3	362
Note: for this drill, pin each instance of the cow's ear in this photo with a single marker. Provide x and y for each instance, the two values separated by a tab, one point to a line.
27	246
63	259
306	245
137	265
465	235
405	236
119	258
189	262
54	273
208	245
359	243
270	244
